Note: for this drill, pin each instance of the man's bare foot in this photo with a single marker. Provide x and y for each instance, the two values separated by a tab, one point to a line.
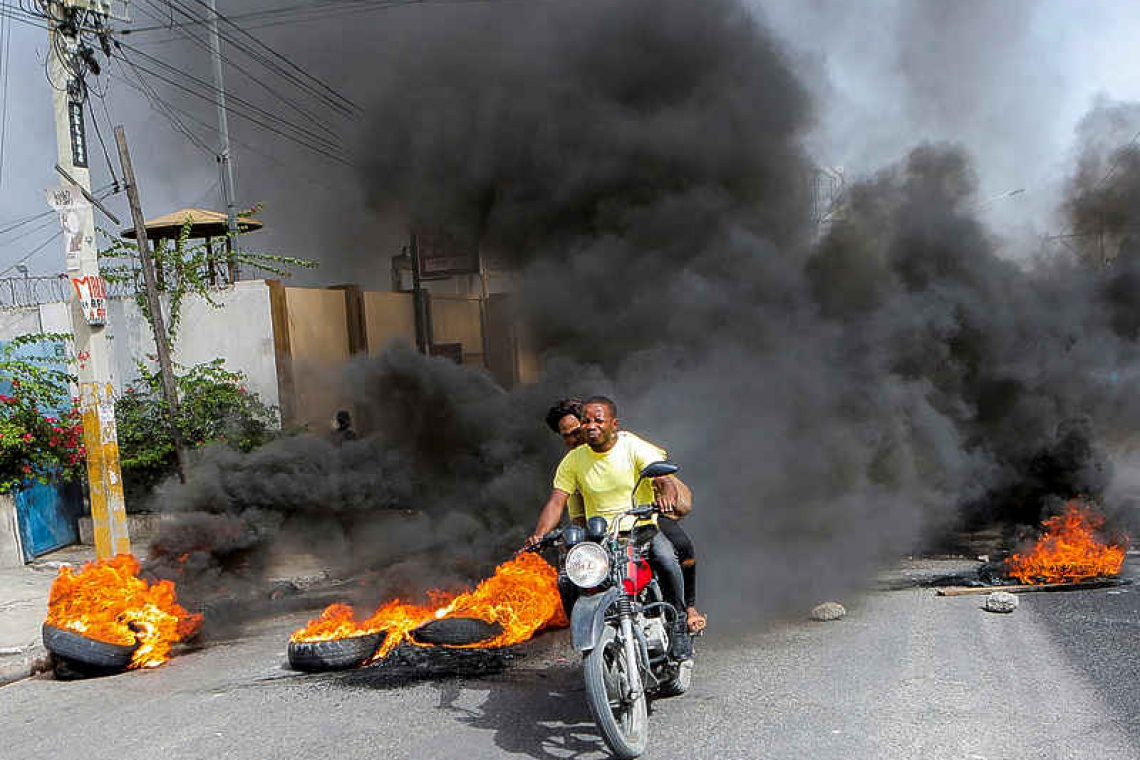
697	621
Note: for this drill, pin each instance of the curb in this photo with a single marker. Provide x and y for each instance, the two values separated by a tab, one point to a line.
32	659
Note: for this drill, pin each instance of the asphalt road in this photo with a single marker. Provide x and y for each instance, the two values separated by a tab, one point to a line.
906	674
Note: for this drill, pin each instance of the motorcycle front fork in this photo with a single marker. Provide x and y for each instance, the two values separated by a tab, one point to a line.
632	660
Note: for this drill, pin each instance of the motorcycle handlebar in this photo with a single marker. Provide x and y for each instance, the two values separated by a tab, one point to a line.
543	543
644	510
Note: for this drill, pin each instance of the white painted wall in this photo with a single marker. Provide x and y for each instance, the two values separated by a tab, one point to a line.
240	331
21	321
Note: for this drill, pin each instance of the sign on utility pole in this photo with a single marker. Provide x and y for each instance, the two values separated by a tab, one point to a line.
88	308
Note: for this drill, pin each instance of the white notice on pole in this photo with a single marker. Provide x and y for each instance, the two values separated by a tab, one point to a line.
74	211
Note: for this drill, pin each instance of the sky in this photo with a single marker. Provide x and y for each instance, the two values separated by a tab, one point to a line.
1009	81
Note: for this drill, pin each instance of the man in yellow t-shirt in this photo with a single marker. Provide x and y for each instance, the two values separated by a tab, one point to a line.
565	419
604	472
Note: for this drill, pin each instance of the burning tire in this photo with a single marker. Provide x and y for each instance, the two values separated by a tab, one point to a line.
336	654
77	648
457	631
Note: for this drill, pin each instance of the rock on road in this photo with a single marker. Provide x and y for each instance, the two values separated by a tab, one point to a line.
904	675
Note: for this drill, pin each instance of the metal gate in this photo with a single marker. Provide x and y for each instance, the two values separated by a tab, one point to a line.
48	516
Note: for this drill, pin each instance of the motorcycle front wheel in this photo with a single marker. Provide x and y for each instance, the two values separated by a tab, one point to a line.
624	723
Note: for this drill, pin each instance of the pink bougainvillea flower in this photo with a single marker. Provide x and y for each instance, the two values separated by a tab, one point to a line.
7	399
53	442
28	437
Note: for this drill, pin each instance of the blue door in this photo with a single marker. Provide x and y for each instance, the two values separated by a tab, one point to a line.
48	516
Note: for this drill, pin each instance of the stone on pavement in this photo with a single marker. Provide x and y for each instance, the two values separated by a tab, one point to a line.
1001	601
828	611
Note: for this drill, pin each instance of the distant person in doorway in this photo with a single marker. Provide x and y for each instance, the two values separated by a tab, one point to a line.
342	428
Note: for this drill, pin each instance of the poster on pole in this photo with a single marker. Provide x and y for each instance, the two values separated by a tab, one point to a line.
74	216
91	290
441	255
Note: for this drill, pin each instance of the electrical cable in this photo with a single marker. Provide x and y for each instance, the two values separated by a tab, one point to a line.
14	225
34	251
291	167
41	246
158	104
309	116
347	104
99	134
258	81
259	58
324	150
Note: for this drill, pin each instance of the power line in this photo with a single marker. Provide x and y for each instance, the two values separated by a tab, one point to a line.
159	105
346	104
268	125
211	91
259	81
15	225
265	62
99	134
34	251
214	128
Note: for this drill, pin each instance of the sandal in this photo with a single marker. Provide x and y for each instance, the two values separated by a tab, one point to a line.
696	622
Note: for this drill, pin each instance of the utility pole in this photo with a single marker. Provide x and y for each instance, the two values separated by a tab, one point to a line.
88	308
157	322
224	160
419	300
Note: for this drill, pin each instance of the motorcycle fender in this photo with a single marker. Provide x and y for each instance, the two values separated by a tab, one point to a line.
589	617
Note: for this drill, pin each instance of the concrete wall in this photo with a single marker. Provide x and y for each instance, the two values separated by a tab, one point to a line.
387	317
22	321
318	349
11	555
240	331
456	319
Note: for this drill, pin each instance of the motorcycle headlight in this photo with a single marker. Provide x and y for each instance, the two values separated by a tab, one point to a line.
587	565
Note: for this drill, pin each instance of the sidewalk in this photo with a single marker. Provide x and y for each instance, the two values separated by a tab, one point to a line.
23	607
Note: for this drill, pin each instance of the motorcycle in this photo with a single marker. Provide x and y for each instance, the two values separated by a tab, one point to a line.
621	622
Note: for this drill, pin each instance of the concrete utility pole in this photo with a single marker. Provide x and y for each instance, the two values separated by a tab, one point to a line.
88	308
157	322
227	166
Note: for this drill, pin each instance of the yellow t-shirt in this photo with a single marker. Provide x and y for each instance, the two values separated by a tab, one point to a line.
574	507
605	481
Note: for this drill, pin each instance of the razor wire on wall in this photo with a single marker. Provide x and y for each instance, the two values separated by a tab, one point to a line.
17	292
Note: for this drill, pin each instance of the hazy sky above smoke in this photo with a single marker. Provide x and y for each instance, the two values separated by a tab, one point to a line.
1008	80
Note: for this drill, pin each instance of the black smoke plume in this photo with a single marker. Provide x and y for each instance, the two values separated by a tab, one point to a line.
834	397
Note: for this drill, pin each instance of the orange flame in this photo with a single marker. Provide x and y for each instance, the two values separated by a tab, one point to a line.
1069	551
107	601
522	597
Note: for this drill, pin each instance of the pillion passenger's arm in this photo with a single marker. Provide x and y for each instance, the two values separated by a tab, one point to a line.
550	515
665	493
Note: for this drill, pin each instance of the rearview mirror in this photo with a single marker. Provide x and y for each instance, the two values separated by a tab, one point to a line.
659	469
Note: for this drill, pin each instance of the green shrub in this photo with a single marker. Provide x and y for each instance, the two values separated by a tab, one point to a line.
214	407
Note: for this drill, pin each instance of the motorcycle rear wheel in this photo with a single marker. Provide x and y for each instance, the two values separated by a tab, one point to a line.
624	725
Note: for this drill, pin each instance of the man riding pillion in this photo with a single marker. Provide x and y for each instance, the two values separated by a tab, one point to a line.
604	472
